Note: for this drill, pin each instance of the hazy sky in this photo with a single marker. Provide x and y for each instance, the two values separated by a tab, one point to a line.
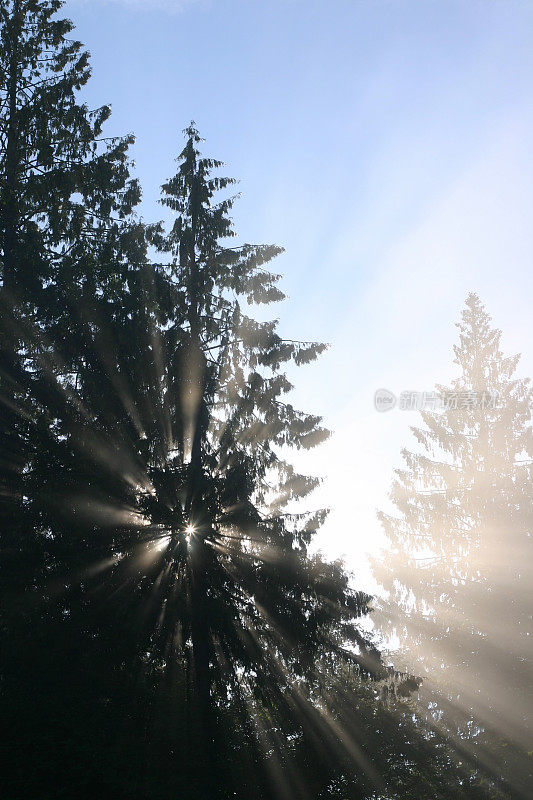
387	146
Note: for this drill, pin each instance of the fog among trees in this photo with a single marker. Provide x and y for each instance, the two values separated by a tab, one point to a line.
168	629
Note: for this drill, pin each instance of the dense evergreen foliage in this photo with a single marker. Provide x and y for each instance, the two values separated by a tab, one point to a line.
63	185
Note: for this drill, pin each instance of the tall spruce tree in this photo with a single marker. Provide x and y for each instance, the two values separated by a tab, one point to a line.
156	551
458	567
66	232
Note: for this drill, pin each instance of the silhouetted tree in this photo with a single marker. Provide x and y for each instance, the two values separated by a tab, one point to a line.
154	549
63	185
66	235
458	568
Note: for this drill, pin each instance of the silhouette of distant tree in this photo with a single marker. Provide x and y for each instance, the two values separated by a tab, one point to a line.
458	568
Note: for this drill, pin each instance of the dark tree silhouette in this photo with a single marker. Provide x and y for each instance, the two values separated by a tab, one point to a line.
151	495
66	233
62	183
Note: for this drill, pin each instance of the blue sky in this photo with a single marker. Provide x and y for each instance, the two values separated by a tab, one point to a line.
387	146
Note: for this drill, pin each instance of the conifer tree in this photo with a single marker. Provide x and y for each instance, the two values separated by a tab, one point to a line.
66	233
63	184
154	497
458	567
